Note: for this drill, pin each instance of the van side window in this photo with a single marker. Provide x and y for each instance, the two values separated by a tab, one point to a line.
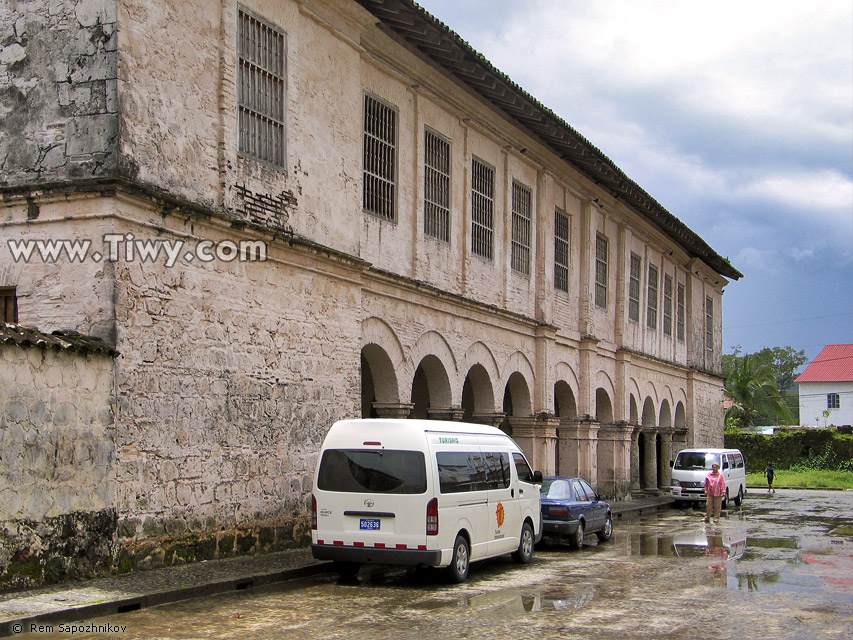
459	472
739	461
522	468
497	470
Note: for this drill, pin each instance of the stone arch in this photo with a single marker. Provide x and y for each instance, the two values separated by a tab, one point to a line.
381	359
517	396
565	391
633	411
432	367
680	416
603	406
478	394
665	415
649	414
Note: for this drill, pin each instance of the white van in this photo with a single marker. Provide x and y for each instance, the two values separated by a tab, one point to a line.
692	465
422	492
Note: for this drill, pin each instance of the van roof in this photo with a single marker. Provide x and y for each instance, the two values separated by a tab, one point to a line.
421	426
708	450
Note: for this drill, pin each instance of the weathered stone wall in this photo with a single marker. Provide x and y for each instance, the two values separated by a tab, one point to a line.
57	518
58	90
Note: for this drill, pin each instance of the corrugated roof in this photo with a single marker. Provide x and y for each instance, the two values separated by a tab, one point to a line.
833	364
432	39
67	340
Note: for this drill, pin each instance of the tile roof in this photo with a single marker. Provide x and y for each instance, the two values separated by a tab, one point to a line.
432	39
833	364
67	340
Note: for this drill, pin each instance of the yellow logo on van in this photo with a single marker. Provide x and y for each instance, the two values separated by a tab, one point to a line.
500	514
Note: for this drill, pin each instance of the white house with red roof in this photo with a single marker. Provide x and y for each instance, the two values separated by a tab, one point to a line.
827	385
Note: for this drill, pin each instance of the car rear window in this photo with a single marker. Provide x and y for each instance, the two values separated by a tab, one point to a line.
371	471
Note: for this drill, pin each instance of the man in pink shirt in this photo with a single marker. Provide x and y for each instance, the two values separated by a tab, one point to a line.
715	489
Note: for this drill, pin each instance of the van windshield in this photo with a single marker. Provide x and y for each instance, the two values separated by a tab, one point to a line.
688	460
372	471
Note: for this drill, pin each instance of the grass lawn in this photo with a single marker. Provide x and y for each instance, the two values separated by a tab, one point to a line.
807	479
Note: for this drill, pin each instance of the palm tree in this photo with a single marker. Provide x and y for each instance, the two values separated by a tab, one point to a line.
752	387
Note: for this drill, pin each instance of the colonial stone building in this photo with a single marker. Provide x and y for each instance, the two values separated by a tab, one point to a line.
279	213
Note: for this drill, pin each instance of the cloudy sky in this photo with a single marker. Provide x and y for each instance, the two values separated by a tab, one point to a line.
737	116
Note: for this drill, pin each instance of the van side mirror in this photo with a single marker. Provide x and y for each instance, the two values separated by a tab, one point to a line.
672	463
537	477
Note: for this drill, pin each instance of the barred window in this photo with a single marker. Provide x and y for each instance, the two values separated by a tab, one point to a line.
667	306
561	251
482	209
521	205
680	313
634	288
8	305
833	401
261	89
652	298
436	186
709	325
601	247
380	158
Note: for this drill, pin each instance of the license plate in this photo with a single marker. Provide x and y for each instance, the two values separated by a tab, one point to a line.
369	524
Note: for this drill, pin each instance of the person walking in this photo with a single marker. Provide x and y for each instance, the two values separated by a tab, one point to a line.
715	489
770	472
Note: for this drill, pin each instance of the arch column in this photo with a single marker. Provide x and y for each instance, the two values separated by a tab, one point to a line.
577	441
666	454
650	462
614	459
636	430
453	414
393	409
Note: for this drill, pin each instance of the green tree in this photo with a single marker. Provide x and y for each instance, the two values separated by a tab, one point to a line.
752	386
784	361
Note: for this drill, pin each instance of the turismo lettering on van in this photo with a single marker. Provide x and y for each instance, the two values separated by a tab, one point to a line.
448	441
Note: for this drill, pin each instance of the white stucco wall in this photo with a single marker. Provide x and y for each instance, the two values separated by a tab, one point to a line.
813	402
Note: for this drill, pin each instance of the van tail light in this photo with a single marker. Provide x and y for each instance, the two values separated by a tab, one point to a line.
432	517
313	513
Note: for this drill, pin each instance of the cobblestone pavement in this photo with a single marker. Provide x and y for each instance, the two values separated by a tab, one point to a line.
129	592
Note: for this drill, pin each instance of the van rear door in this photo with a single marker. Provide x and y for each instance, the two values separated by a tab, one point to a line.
372	497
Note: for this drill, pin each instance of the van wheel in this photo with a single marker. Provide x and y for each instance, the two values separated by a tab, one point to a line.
525	545
739	498
458	569
725	504
607	531
576	541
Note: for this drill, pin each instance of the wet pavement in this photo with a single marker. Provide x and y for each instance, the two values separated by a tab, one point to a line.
781	566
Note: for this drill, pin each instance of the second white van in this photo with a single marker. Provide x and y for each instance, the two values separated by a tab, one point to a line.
692	465
422	492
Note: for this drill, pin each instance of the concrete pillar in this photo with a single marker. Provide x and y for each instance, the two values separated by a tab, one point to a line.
636	485
667	455
537	437
650	461
614	459
578	447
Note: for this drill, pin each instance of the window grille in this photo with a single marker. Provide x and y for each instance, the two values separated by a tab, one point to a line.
521	205
667	306
261	89
709	325
8	305
482	209
601	248
652	298
561	251
680	313
436	186
380	158
833	401
634	288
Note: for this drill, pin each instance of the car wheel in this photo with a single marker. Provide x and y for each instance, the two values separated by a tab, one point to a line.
739	499
576	541
524	554
346	570
458	569
607	531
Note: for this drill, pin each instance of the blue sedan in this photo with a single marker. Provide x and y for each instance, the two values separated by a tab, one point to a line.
571	509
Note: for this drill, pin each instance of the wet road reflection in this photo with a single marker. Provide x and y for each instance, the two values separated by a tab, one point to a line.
778	567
